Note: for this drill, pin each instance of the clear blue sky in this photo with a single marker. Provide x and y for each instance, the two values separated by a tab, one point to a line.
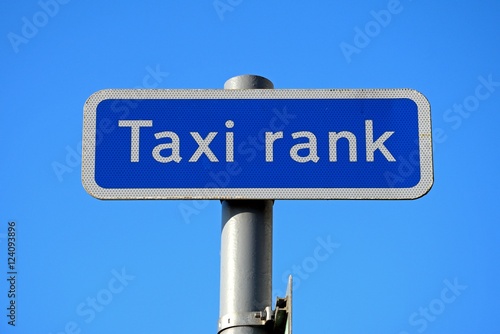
90	266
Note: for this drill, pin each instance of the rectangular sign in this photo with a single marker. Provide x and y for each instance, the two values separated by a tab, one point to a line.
257	144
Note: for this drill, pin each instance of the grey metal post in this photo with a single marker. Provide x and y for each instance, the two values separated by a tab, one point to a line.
246	250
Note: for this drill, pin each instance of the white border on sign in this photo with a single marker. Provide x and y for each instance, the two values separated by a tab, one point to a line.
89	146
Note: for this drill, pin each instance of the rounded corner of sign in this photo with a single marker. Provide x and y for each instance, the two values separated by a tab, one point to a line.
422	188
418	97
98	96
93	189
414	91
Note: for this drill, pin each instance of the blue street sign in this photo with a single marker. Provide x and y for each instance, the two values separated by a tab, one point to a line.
257	144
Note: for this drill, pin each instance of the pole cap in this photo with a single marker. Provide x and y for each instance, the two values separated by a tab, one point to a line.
248	81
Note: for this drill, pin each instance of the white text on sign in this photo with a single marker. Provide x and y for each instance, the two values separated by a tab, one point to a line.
310	146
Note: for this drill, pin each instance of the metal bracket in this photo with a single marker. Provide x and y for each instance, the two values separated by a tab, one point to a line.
278	321
283	312
257	318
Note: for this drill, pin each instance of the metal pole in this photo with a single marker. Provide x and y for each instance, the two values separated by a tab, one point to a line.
246	250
